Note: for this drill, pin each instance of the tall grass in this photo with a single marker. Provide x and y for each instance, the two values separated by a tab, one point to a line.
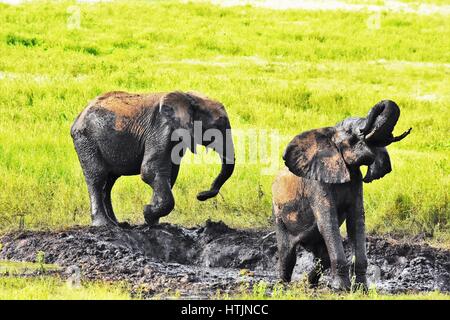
284	70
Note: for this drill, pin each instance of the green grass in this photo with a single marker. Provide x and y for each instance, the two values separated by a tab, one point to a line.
19	281
284	70
300	291
53	288
22	268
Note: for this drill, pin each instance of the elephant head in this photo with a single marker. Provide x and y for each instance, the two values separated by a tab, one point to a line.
329	154
202	121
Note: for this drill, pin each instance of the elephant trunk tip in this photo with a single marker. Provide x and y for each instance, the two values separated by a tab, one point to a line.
205	195
402	136
393	139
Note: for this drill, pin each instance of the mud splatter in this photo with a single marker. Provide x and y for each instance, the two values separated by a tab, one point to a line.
196	262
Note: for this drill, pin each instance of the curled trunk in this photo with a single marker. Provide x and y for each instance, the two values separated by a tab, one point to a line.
380	123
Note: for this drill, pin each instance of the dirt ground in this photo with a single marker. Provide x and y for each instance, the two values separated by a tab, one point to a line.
160	260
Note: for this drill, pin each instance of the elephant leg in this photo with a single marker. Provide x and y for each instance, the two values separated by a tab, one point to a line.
287	253
357	235
327	221
97	196
96	176
108	205
162	202
174	174
321	263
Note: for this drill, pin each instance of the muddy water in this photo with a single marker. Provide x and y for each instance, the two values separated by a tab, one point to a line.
197	262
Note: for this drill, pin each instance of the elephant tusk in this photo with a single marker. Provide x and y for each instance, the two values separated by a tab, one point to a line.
368	136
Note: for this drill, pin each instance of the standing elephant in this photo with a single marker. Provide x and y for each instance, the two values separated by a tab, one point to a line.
322	187
121	134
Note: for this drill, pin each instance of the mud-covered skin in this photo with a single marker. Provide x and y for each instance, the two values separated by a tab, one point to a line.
298	219
120	133
322	187
196	262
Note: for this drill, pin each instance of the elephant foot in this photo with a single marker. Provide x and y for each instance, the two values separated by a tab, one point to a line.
151	221
341	283
360	283
112	217
205	195
150	217
124	225
102	221
285	278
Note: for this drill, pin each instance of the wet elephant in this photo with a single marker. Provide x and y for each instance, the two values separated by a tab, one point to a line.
121	134
322	187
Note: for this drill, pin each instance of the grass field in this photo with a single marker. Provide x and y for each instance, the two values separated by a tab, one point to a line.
53	288
17	282
13	286
300	291
275	70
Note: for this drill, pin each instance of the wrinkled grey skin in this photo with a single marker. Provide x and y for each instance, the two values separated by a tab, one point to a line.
322	188
122	134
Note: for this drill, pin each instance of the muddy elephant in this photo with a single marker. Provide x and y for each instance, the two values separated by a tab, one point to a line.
122	134
322	187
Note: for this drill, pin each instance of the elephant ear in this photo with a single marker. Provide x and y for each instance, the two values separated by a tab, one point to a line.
178	109
380	167
312	155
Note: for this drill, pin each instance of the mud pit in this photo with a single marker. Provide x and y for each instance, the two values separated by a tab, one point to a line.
197	262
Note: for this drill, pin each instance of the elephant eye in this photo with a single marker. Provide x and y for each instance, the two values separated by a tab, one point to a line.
353	139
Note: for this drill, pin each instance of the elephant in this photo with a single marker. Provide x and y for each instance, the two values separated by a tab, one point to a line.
322	186
122	134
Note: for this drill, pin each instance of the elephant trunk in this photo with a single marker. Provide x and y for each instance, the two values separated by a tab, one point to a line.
226	153
380	123
401	137
370	119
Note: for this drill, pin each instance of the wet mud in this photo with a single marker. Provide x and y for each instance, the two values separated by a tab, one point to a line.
167	260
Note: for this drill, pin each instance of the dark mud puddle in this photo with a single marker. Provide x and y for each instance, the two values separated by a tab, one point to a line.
197	262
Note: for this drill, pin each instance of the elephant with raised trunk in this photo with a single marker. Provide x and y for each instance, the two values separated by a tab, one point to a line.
322	187
122	134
